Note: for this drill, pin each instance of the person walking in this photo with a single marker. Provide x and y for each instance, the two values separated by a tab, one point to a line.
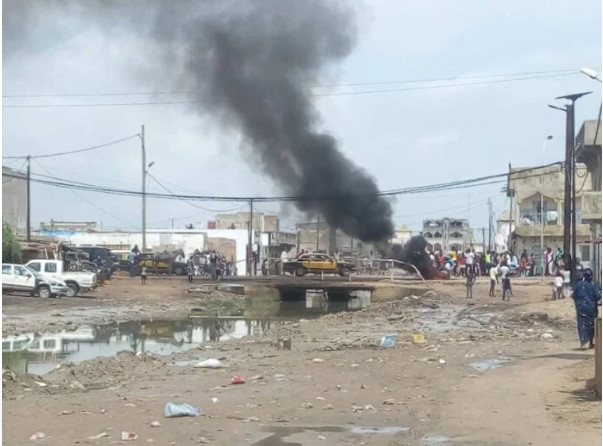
586	295
470	281
264	267
558	287
190	269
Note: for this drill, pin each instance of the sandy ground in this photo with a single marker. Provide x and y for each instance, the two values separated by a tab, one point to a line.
335	385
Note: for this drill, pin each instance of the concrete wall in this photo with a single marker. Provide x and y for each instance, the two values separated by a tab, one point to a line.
14	200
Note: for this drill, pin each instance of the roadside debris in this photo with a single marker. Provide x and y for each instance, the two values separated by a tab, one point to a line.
38	436
128	436
154	424
306	405
389	341
173	410
211	363
98	436
237	380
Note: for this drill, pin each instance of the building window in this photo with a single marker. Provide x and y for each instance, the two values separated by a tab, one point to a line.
585	253
437	235
428	235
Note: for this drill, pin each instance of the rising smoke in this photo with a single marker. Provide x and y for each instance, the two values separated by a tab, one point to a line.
250	63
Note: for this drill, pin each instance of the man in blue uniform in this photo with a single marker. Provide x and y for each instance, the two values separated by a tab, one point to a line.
586	296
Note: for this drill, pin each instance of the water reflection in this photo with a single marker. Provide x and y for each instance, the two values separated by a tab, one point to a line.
39	353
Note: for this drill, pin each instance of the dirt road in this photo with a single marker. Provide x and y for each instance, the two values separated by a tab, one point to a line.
489	372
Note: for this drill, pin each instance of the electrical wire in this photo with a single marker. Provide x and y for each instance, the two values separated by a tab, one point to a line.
18	170
461	184
70	152
350	93
193	204
342	85
81	197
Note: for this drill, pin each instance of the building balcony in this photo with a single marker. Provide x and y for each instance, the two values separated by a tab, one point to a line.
534	218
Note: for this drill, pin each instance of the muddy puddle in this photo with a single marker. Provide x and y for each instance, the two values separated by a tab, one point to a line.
488	364
39	353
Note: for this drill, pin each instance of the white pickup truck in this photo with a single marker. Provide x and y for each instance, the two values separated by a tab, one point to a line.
78	281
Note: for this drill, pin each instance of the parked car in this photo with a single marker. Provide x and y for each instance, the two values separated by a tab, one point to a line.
17	278
77	281
317	263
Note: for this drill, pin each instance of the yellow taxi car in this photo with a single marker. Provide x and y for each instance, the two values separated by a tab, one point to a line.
318	263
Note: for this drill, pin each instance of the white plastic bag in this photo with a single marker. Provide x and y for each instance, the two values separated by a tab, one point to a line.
180	410
211	363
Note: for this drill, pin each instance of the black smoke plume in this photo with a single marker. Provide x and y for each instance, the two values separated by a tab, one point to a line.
251	63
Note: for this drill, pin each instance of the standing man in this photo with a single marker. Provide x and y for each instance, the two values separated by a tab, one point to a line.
586	296
493	279
190	269
506	281
281	265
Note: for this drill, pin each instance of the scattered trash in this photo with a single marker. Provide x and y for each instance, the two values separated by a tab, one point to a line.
67	412
389	402
306	405
369	407
362	386
389	341
155	424
128	436
41	384
418	338
38	436
98	436
318	360
442	361
252	420
321	398
200	440
214	400
546	336
379	430
180	410
321	437
257	377
354	365
104	411
488	364
327	407
237	380
211	363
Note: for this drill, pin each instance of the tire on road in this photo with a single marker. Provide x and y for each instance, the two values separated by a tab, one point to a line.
72	289
44	291
300	271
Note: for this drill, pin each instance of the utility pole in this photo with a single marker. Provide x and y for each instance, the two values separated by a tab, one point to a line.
510	194
484	239
28	198
489	224
249	239
144	192
317	232
569	213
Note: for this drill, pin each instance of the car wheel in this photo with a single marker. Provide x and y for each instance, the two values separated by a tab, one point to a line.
72	290
44	291
300	272
344	272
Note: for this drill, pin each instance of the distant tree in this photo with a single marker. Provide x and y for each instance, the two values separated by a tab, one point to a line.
11	249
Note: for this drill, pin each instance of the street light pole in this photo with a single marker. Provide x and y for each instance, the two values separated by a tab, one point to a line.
569	209
144	192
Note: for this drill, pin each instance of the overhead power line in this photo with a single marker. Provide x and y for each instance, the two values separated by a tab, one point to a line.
461	184
71	152
339	85
349	93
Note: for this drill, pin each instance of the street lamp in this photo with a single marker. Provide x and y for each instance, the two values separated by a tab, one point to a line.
590	73
569	203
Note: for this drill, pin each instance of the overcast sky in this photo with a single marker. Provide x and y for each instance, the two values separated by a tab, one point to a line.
405	138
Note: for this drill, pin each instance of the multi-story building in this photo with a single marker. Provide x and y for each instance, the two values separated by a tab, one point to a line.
536	210
588	143
14	198
448	234
319	236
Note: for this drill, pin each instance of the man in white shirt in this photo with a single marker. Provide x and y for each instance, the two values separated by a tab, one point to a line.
470	261
493	279
282	262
